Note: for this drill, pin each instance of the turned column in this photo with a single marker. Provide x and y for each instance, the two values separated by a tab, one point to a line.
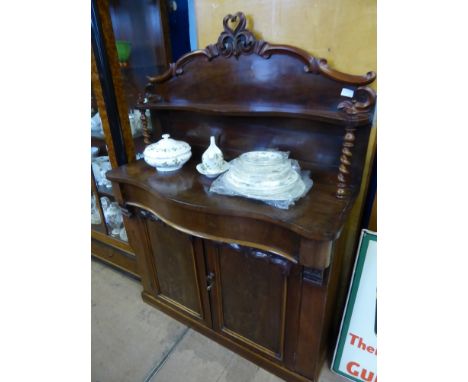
345	162
144	124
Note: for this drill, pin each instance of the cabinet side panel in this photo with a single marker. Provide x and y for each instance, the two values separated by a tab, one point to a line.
311	323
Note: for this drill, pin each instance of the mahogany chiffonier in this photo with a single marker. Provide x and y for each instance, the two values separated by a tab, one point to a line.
260	280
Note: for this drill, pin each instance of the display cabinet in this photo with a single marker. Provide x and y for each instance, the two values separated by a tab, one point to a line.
260	280
109	241
129	39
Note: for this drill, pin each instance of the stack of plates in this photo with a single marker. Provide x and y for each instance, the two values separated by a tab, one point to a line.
265	175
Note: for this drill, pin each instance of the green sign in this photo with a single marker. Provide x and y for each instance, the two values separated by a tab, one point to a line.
356	350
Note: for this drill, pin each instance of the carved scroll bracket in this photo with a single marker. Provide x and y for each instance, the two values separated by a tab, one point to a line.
147	215
126	211
264	256
362	102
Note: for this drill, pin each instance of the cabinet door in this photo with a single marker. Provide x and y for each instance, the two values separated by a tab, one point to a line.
178	270
250	297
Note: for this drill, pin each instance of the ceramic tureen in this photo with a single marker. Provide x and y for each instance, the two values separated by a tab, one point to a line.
167	154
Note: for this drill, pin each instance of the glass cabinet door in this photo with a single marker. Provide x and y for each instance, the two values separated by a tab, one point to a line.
106	217
142	33
141	38
134	43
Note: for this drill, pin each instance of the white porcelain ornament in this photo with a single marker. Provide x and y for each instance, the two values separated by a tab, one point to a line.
96	126
100	166
167	154
114	218
213	162
95	217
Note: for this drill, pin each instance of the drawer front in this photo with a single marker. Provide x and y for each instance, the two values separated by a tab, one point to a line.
115	257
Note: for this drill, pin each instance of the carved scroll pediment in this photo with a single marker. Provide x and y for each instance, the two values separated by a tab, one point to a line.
236	40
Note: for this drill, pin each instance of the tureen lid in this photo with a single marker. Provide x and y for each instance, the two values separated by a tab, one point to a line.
166	148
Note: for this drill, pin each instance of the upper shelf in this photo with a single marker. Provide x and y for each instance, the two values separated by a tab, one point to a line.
257	110
241	75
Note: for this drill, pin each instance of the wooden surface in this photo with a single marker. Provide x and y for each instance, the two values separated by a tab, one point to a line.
254	302
258	82
373	216
175	266
258	279
345	32
319	215
111	254
262	299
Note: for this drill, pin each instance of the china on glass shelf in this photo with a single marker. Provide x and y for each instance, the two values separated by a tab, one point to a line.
100	167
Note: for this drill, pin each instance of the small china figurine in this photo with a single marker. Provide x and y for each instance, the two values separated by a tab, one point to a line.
213	162
123	234
95	217
100	166
114	218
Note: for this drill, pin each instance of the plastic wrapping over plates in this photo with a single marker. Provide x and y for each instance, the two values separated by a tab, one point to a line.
269	176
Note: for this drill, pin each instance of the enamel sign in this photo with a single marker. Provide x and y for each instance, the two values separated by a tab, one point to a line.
356	350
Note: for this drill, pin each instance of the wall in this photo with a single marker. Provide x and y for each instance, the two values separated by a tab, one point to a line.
342	31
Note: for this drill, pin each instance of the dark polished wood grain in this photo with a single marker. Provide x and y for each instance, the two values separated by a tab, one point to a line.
250	292
175	265
176	269
238	40
266	88
110	251
260	280
318	216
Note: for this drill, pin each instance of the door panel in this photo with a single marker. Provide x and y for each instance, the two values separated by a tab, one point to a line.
179	272
251	290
